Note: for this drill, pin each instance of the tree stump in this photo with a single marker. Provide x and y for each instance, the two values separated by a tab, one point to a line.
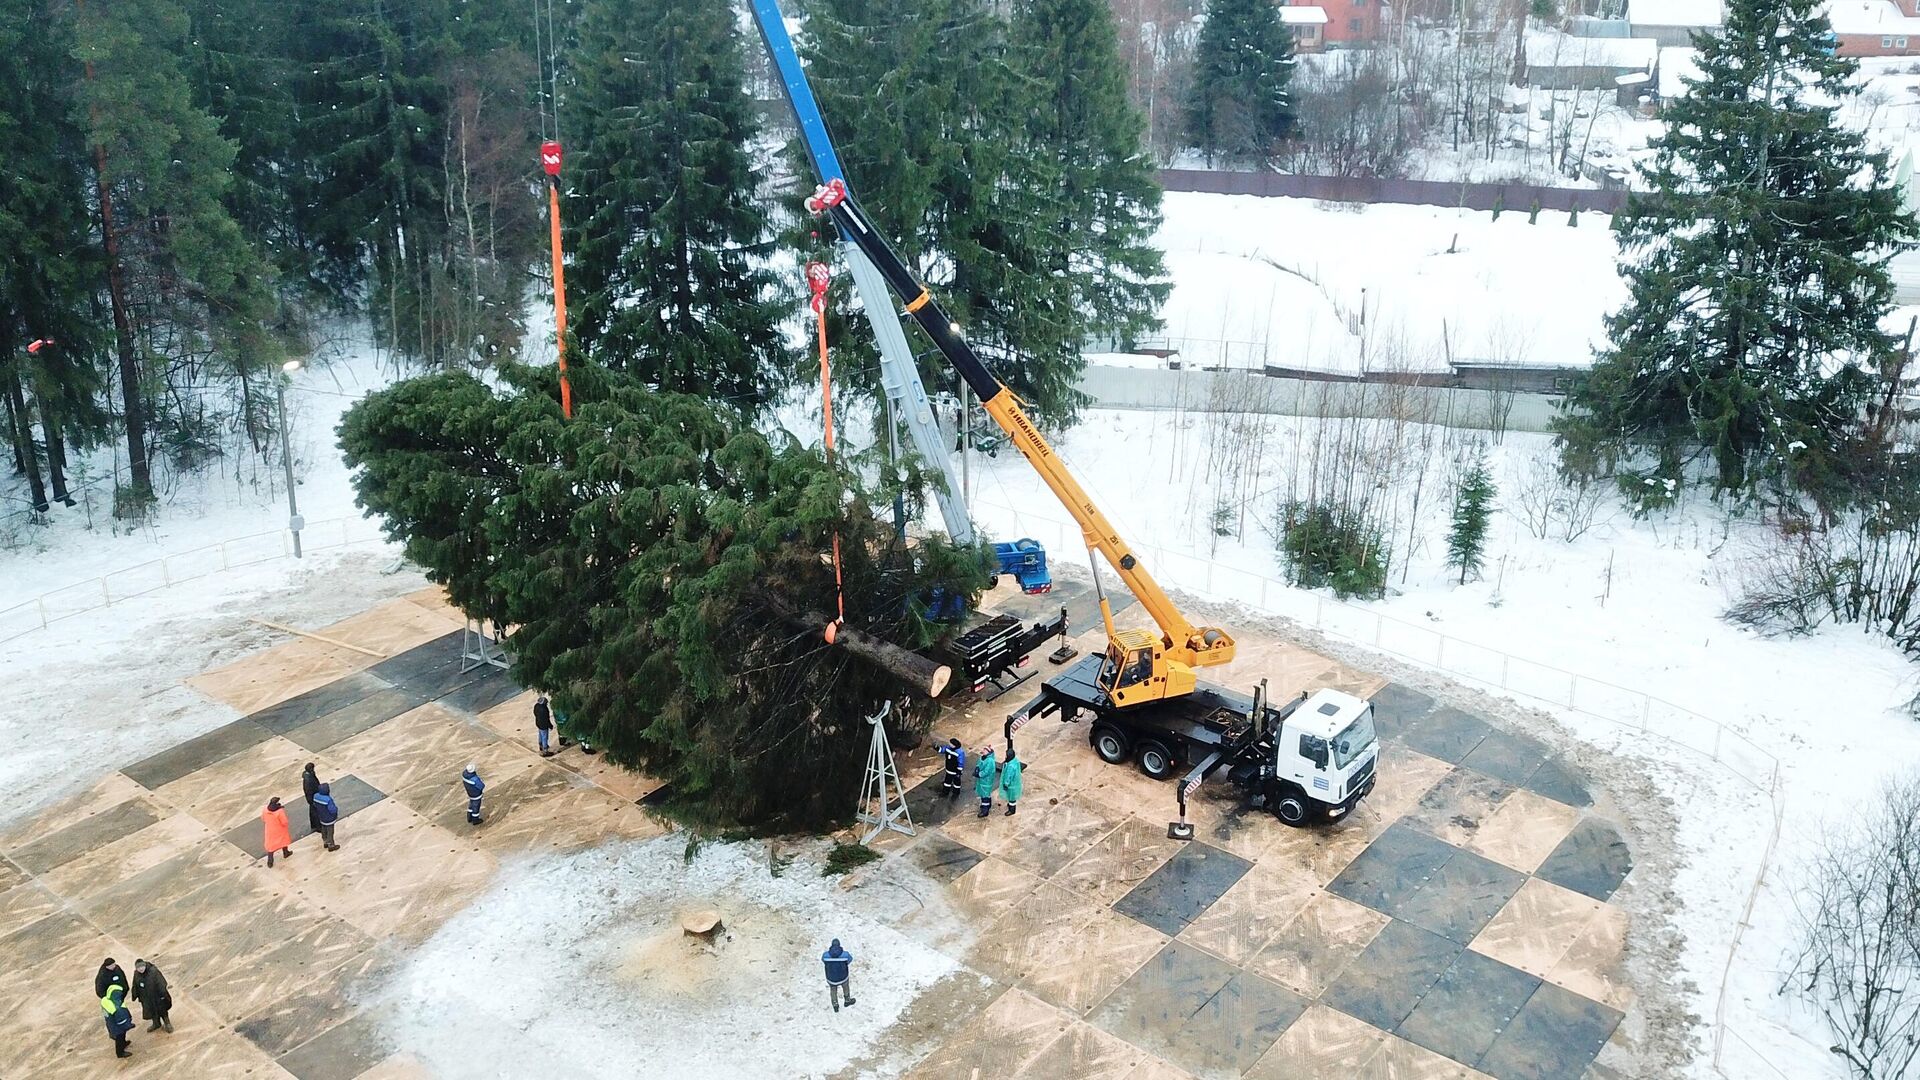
703	924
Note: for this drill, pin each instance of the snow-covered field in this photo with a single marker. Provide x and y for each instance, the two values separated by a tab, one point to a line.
1299	283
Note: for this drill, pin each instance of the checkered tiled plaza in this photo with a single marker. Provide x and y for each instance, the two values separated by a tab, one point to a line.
1459	925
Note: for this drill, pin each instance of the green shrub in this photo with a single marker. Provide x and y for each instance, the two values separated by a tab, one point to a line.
1323	546
845	857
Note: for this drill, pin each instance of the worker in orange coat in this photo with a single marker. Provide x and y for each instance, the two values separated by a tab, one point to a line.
279	833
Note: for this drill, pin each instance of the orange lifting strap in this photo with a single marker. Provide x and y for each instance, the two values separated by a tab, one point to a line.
818	279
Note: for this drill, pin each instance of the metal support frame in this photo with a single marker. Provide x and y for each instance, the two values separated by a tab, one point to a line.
883	798
480	646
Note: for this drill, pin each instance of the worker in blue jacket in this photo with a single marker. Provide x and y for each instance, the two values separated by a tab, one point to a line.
119	1021
475	788
839	964
954	757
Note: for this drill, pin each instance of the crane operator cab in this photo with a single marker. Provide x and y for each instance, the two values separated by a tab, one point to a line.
1137	670
1324	756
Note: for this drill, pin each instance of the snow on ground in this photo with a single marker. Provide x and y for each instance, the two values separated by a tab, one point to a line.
102	689
1635	603
576	966
1301	283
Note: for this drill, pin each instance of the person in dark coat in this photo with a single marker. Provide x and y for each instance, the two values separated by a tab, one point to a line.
108	975
150	990
476	787
327	812
113	1004
543	723
310	785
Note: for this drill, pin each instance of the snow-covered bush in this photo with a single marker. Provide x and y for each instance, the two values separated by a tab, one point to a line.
1859	915
1864	569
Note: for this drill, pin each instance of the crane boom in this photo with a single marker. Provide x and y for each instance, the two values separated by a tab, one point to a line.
1185	643
899	376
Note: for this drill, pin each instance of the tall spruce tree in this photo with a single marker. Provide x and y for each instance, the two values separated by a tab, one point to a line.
930	115
1238	104
656	556
1089	140
1756	274
49	288
186	283
667	232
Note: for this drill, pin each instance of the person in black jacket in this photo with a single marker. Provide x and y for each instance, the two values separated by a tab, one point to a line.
543	723
108	975
150	990
310	786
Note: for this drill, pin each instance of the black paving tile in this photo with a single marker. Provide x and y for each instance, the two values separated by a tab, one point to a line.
1471	1005
1560	782
1184	888
196	753
931	806
1593	860
1447	734
351	720
88	834
432	669
1396	707
352	793
1386	981
941	858
1392	868
1461	897
1225	1036
314	704
491	688
342	1052
1151	1007
1555	1036
1506	756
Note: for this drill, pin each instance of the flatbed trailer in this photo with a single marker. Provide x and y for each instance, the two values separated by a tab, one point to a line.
991	653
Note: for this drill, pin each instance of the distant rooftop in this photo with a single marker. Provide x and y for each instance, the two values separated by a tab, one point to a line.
1552	49
1870	17
1674	12
1303	16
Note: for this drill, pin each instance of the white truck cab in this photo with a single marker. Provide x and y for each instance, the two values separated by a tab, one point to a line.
1324	757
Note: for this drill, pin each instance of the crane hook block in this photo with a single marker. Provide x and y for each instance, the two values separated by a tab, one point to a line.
827	196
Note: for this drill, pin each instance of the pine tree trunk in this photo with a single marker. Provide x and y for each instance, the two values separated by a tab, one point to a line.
138	472
56	442
21	430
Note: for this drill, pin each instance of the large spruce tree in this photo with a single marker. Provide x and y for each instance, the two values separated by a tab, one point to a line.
1238	104
1089	140
1756	270
669	236
656	556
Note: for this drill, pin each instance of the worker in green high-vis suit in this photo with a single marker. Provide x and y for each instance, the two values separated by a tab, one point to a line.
1010	780
986	776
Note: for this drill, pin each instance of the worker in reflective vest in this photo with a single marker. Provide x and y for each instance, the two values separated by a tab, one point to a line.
119	1020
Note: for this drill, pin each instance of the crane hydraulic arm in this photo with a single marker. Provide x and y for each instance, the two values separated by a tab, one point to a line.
1185	645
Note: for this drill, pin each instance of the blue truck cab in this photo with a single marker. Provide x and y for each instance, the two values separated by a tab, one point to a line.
1026	560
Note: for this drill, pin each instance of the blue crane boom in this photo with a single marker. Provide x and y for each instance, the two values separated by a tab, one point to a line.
1024	560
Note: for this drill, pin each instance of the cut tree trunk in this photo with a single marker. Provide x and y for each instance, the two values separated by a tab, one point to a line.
918	672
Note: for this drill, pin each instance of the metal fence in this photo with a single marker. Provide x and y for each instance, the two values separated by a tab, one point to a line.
122	585
1362	189
1631	711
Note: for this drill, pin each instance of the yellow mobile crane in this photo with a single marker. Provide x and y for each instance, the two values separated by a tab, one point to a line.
1138	668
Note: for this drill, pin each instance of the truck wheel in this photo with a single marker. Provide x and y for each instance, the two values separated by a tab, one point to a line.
1290	806
1110	744
1156	760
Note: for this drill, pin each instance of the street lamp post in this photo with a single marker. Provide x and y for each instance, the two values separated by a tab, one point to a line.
294	522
